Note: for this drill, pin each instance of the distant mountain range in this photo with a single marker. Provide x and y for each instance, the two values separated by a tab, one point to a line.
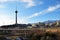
39	24
50	21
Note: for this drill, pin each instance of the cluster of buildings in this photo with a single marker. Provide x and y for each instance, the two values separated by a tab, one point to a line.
46	24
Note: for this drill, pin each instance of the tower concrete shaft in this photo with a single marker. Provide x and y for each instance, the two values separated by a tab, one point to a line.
16	16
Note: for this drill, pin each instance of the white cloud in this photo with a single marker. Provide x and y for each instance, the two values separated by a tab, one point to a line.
53	8
33	15
2	1
45	11
30	3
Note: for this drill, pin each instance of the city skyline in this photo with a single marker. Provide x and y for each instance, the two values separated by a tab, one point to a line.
29	11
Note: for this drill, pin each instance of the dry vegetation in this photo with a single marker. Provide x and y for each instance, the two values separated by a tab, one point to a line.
46	34
40	34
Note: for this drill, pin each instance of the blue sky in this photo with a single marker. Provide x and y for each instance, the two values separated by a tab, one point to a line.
29	11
